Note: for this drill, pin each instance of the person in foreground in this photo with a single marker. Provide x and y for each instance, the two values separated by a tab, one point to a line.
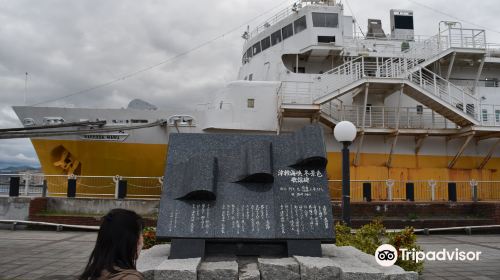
119	243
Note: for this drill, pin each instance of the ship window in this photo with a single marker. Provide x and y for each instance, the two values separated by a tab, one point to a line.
485	115
325	20
139	121
276	37
28	122
326	39
256	48
299	70
497	115
265	43
287	31
249	52
300	24
491	82
420	109
368	108
250	103
403	22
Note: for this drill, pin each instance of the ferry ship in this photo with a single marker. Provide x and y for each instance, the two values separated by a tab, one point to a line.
425	108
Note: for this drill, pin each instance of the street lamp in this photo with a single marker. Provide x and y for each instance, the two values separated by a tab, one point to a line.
345	132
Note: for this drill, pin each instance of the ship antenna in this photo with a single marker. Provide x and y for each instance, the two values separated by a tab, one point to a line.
355	20
25	87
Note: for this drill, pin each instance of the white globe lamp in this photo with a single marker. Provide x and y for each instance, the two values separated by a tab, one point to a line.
345	132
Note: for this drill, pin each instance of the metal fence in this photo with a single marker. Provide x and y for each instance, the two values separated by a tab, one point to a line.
86	186
424	190
151	188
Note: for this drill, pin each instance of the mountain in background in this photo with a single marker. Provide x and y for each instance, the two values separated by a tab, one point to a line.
17	169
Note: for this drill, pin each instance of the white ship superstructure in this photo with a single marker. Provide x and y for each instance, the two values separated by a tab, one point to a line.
425	108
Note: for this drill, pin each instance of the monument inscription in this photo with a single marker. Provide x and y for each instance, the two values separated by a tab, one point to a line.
246	188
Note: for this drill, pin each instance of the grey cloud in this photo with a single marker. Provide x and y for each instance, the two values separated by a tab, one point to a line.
67	46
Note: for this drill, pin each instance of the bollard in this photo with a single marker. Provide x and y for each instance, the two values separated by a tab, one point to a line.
26	184
452	192
71	187
122	189
14	186
410	192
44	188
367	192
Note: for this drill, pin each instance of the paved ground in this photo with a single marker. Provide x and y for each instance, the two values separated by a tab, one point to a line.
487	268
43	254
62	255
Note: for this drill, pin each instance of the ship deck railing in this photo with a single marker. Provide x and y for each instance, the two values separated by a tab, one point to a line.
151	188
417	117
282	14
296	93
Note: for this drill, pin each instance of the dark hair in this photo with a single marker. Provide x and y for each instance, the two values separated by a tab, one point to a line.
116	244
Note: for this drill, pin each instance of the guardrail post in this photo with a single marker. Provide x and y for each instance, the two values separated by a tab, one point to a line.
117	179
390	184
71	192
44	188
26	178
122	189
435	83
14	186
362	66
432	184
473	184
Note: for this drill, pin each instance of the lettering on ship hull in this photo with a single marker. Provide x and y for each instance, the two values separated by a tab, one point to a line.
117	137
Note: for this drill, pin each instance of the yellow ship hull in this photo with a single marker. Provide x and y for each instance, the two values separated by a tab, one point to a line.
100	158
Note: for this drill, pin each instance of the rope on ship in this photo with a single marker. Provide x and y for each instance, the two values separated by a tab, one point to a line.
51	130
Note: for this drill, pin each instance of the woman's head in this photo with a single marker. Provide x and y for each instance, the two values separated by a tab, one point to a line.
118	243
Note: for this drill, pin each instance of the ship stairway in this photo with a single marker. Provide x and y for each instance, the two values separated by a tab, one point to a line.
407	74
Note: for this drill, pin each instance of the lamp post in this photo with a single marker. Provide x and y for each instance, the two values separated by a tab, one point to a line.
345	133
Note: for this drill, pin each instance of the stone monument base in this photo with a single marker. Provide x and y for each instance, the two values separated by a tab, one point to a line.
335	263
200	248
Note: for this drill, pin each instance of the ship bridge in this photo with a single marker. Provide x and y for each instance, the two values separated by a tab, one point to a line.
444	108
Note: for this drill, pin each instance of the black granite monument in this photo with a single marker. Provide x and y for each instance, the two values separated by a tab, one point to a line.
246	194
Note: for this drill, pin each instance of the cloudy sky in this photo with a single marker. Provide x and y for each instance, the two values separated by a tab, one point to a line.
67	46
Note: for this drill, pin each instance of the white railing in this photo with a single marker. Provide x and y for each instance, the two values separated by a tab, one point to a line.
295	92
86	186
424	190
383	190
387	116
464	38
284	13
461	98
